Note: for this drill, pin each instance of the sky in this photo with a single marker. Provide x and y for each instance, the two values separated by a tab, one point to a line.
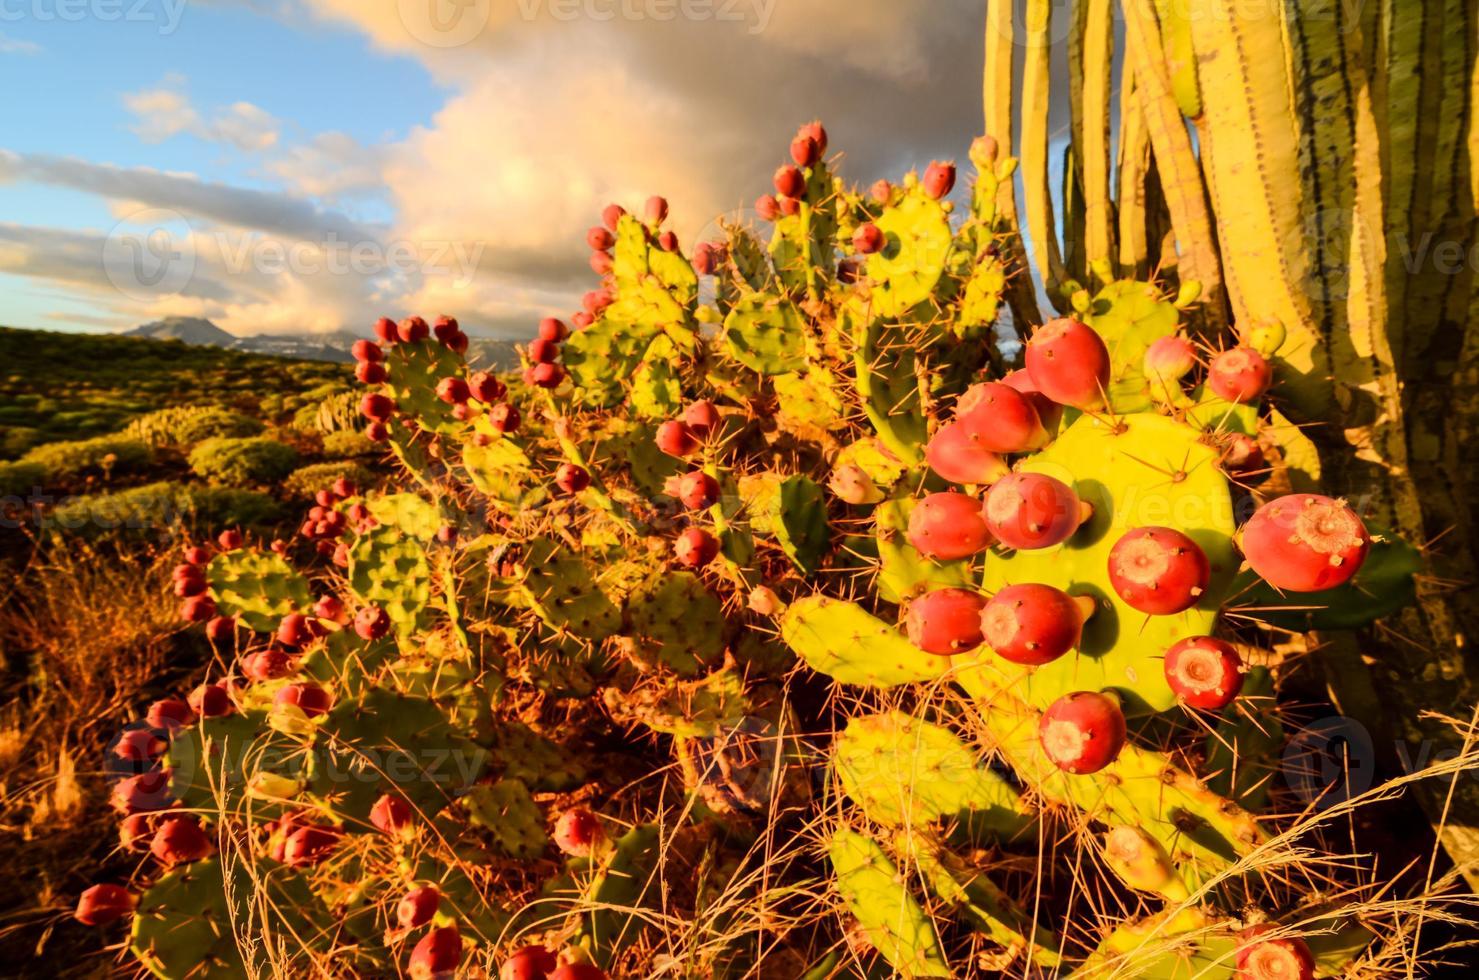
311	165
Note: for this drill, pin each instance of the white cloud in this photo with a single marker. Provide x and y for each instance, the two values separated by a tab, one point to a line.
165	111
14	45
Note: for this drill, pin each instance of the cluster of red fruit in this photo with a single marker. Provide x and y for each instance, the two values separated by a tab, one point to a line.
1297	543
697	489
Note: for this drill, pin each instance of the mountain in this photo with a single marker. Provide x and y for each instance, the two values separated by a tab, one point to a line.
189	329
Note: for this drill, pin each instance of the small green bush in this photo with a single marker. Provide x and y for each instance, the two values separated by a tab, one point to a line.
186	424
17	439
348	444
164	508
105	453
308	480
20	478
243	462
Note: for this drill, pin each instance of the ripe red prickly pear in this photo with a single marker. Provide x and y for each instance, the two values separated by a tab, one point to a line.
307	697
571	478
1304	542
1242	457
767	207
179	840
790	182
1239	375
704	259
698	490
386	331
391	815
695	548
582	320
412	330
1158	570
220	628
868	238
295	631
611	216
948	526
676	439
376	407
366	350
135	831
668	241
370	373
1032	510
377	431
804	151
579	971
436	955
371	623
1204	672
453	391
486	388
1033	624
656	211
600	239
266	665
198	609
601	263
458	343
139	745
169	714
939	179
191	584
547	375
1168	360
309	845
701	417
553	329
1000	418
1069	363
445	326
956	457
418	906
528	963
596	301
196	555
210	701
229	540
1284	958
504	417
543	351
145	792
946	621
577	832
881	191
102	904
1082	732
790	206
817	132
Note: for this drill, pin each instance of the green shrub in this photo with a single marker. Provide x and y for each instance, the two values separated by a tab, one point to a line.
185	424
243	462
16	439
348	443
308	480
20	478
105	453
164	507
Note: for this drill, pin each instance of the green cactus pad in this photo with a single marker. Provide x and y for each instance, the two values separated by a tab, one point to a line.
501	470
1135	471
844	642
686	709
259	588
211	762
411	513
390	570
603	356
562	588
537	761
1243	754
414	370
657	391
983	291
892	920
508	812
677	621
617	892
801	522
917	245
906	772
808	399
1130	316
766	334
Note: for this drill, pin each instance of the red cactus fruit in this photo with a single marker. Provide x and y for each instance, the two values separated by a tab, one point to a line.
939	179
504	417
577	832
198	609
412	330
571	478
698	490
553	329
763	601
418	906
946	621
371	623
436	955
377	431
366	350
947	526
817	132
191	583
266	665
1204	672
220	628
543	351
307	697
229	540
295	630
1000	418
453	391
656	210
705	258
790	207
386	331
145	792
596	301
1239	375
370	373
600	239
329	607
1033	624
1304	542
881	191
169	714
1169	359
790	182
458	343
102	904
695	548
547	375
868	238
486	388
139	745
701	417
210	701
196	555
445	327
376	407
955	456
1069	363
1158	570
1032	510
1082	732
611	216
579	971
1242	456
767	207
601	263
528	963
307	846
676	439
135	831
668	241
1284	958
805	151
390	814
179	840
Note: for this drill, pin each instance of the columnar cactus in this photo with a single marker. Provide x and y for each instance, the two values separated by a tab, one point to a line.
749	477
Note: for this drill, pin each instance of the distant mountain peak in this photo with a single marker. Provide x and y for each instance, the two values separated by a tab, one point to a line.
189	329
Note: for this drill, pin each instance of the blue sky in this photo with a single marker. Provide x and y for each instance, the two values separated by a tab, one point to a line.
465	172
